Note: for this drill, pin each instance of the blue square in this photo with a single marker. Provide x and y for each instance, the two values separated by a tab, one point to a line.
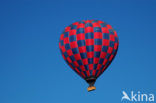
90	48
72	38
85	73
90	71
66	34
111	43
79	69
73	27
97	54
86	67
107	63
61	42
111	31
98	41
80	30
72	65
101	60
81	43
103	25
97	29
102	67
81	22
116	40
90	60
89	35
105	36
75	50
95	66
94	21
65	54
113	52
79	62
107	56
96	72
61	51
83	55
72	58
104	48
67	46
88	25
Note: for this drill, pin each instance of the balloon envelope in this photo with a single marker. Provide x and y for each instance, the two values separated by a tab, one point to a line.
88	47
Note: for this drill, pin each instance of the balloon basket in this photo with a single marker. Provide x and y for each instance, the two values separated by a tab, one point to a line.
91	88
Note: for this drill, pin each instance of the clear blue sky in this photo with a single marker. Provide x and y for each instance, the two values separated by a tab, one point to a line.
32	69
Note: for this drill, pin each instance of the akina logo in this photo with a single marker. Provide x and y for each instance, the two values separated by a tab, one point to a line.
137	97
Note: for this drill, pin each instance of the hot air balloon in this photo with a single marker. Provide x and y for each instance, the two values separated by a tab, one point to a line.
88	47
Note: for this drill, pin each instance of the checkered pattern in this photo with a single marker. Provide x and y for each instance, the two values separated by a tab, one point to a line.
89	47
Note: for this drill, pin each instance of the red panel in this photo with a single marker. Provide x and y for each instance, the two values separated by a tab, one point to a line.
109	27
90	54
90	66
83	74
97	35
94	71
89	42
62	35
85	61
97	48
103	55
69	60
112	38
80	36
99	66
115	46
77	70
76	23
66	40
81	26
88	21
88	29
96	24
63	49
88	74
100	22
82	67
115	33
111	57
82	49
73	44
77	56
64	57
105	61
96	60
105	30
105	42
69	52
72	32
59	45
75	63
67	29
110	49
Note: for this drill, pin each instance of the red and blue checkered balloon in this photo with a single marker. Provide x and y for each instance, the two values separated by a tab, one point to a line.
89	46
